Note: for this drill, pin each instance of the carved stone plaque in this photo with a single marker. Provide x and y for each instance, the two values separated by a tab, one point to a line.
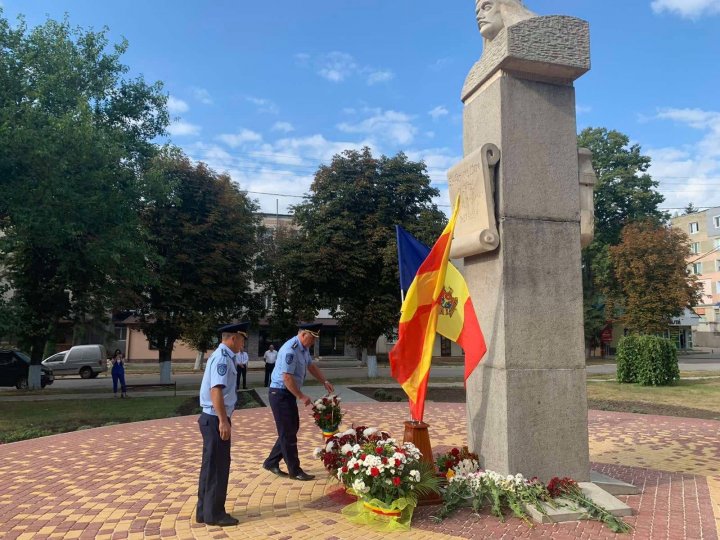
473	180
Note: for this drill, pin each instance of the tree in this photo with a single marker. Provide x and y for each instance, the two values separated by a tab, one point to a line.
690	209
75	136
650	265
347	252
625	193
205	234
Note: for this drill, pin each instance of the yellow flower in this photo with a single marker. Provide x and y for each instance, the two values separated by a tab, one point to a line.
449	474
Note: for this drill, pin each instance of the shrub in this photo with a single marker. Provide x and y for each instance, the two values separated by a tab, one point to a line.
647	360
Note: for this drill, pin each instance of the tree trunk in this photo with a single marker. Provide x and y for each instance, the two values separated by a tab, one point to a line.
371	359
199	361
165	357
37	348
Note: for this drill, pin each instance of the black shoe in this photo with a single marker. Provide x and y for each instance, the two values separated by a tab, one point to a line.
275	470
226	521
303	476
199	520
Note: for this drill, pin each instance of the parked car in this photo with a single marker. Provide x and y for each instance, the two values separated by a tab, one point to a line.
85	360
14	369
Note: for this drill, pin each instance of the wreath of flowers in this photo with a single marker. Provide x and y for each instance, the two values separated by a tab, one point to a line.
327	413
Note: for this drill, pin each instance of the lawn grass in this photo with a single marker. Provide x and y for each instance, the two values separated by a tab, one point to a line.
691	393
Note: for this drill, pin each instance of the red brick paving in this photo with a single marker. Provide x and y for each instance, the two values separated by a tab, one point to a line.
139	481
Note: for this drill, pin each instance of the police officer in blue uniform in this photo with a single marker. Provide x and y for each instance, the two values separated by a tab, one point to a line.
217	399
291	367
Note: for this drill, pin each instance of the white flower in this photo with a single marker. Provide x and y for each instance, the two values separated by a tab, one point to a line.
359	486
346	448
320	406
330	445
369	431
317	452
415	475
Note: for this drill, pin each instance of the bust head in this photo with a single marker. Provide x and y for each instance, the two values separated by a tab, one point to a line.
494	15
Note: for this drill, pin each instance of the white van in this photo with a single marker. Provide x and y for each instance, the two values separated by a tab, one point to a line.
85	360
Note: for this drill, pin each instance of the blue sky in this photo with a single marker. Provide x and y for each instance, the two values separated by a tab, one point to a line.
269	90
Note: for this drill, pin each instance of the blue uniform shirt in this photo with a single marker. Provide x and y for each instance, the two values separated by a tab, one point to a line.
220	371
294	359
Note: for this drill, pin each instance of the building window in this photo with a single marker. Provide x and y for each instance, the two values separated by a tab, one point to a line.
716	220
694	227
695	248
697	268
717	265
717	243
717	287
121	333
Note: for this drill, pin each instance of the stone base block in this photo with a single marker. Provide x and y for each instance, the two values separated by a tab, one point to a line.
612	486
571	513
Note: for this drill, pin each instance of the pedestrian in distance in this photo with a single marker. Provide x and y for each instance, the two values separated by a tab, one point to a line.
270	356
293	363
242	365
118	373
217	399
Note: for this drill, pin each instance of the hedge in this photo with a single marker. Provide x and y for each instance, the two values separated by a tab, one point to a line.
647	360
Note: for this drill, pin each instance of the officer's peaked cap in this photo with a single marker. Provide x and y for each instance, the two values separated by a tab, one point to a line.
236	328
313	328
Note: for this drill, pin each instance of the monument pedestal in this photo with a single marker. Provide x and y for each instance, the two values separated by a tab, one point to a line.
417	434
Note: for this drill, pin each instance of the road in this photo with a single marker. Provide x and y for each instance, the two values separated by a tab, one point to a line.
699	362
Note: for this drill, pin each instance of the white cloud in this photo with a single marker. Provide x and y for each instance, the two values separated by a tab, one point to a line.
380	76
285	127
263	105
689	173
181	128
392	126
202	95
691	9
234	140
177	106
338	67
438	111
582	109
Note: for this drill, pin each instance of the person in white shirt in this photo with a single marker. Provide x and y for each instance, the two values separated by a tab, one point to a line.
270	357
242	363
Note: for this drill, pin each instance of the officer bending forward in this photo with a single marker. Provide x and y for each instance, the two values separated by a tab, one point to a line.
217	399
291	367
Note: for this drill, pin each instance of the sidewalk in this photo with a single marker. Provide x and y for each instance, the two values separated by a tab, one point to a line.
139	480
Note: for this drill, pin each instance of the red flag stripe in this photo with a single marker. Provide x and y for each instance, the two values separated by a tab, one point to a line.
471	339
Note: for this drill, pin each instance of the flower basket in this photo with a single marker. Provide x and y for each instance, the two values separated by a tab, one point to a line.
392	517
327	415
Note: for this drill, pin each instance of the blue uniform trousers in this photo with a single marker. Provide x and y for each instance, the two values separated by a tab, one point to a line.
287	421
214	471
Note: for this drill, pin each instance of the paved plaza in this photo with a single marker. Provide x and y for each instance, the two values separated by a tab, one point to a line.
140	480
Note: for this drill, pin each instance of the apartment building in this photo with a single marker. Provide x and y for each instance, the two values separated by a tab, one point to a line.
703	228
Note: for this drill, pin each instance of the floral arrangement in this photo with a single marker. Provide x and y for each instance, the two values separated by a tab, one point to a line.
500	492
457	461
386	476
327	414
476	487
335	453
568	489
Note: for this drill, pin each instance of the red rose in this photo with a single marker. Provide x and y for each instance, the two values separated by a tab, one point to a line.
455	452
374	471
384	461
357	466
379	450
345	469
362	457
397	462
397	480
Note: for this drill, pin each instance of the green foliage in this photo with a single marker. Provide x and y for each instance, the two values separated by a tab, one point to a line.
347	255
75	136
652	276
647	360
625	193
205	234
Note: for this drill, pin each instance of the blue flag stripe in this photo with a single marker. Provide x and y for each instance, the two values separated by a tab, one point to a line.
411	254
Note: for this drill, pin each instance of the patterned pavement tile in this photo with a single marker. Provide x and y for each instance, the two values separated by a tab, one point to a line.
140	481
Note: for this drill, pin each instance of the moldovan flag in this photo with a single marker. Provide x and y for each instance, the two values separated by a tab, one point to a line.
410	357
457	321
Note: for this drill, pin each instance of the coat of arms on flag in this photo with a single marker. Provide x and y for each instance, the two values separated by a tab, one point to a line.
448	302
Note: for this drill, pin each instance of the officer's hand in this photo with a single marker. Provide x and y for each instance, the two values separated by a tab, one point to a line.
329	387
306	400
224	430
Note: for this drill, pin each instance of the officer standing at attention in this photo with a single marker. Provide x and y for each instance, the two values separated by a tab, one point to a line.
291	367
217	399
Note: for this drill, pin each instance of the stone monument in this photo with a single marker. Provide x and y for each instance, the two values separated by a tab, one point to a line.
519	232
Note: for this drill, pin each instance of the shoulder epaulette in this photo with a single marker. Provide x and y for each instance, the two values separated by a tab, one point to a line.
294	345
